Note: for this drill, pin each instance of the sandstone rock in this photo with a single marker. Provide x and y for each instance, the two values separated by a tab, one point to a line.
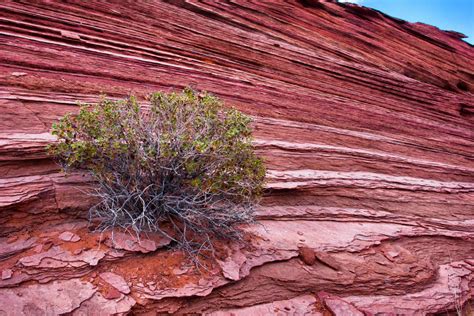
70	35
56	258
176	271
364	122
77	251
231	267
455	279
339	307
68	236
18	74
58	297
130	242
301	305
11	248
7	274
12	239
116	281
99	305
307	255
328	260
112	293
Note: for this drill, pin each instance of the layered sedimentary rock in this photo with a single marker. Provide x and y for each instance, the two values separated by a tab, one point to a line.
366	124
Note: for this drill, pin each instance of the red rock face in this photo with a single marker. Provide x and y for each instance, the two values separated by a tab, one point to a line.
366	124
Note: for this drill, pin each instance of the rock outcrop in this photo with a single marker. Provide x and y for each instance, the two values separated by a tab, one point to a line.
366	124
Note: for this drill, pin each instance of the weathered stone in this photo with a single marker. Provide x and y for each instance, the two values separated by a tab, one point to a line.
307	255
18	74
7	274
68	236
130	242
70	35
364	122
112	293
301	305
54	298
338	306
99	305
177	271
116	281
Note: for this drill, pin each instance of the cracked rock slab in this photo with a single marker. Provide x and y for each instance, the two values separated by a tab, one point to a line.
116	281
57	297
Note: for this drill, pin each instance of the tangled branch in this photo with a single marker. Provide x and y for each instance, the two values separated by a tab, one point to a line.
187	163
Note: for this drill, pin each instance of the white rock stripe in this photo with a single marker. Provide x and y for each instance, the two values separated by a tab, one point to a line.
355	151
293	179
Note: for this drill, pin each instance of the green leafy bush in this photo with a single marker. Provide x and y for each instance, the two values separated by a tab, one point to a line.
184	162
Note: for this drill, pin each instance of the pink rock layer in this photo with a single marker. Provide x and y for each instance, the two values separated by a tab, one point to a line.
366	124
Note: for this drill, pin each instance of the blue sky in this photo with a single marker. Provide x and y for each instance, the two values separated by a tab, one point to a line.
456	15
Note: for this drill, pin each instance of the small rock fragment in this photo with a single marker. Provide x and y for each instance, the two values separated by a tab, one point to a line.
47	245
179	271
307	255
70	35
77	252
338	306
392	254
18	74
68	236
148	245
38	248
328	260
7	274
116	281
12	239
112	293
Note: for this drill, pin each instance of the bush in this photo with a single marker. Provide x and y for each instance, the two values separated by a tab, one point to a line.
185	163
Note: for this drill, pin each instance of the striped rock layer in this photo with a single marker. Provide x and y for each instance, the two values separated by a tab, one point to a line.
366	124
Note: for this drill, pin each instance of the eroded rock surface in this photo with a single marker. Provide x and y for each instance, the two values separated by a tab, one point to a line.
366	124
